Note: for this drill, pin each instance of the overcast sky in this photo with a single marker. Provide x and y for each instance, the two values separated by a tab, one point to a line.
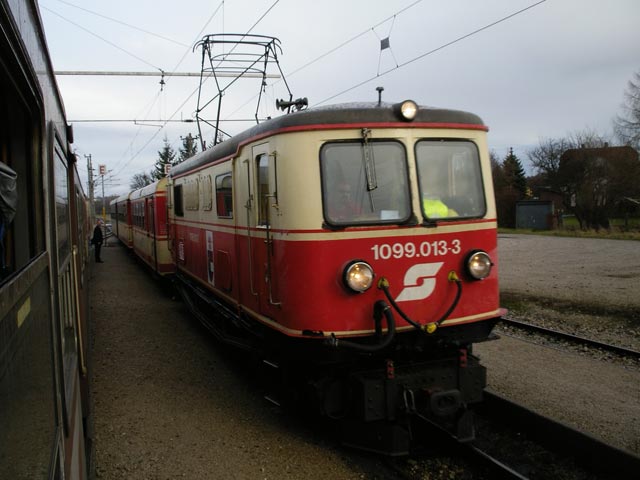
545	69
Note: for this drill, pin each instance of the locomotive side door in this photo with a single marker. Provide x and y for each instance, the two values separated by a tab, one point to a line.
264	193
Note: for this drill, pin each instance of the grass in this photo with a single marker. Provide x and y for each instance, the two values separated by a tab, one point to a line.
616	232
612	234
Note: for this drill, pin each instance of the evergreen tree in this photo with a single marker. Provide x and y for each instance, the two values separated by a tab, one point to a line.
510	185
189	148
514	174
166	156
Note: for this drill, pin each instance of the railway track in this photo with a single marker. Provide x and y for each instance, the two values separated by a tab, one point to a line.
607	347
517	443
566	444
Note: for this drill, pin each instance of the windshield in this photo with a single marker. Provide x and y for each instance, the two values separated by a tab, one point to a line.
450	179
364	182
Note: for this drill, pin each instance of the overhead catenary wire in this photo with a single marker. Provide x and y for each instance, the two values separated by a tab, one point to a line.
336	48
196	90
430	52
414	59
352	39
206	24
133	55
162	72
115	20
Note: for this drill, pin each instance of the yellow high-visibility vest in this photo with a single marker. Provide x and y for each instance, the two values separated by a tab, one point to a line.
435	208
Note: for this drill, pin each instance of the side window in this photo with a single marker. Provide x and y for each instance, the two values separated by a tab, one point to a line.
148	213
192	195
224	195
262	169
207	193
178	207
21	220
62	203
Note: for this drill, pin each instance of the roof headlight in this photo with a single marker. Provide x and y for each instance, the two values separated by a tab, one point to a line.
479	264
407	110
358	276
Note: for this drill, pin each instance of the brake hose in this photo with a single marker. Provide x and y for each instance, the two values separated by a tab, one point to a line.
380	308
431	327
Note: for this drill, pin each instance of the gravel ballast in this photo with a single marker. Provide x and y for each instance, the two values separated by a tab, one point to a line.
170	403
592	394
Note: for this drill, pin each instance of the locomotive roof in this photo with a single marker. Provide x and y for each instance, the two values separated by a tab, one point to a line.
343	114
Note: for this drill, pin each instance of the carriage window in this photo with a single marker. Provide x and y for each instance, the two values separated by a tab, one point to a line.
450	179
62	204
207	193
177	201
365	183
224	195
192	195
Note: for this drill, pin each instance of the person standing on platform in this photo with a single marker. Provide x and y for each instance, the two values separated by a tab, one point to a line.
97	240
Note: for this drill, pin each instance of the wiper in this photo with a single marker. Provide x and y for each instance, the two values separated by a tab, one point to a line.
369	165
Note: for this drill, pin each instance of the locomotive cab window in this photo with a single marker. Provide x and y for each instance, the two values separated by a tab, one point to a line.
224	195
365	182
450	179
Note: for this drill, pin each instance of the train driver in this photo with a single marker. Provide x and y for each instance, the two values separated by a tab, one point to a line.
342	206
434	207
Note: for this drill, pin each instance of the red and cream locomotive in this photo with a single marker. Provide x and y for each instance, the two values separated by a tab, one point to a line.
354	247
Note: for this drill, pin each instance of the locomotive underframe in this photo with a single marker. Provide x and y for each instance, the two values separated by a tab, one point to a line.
375	397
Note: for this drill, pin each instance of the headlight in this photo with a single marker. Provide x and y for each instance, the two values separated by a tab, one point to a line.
358	276
479	264
407	110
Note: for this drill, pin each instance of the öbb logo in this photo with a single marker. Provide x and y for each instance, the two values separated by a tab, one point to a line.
419	282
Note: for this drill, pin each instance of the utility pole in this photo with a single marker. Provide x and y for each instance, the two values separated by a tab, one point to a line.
91	184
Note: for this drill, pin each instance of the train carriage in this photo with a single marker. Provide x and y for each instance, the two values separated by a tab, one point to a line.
356	234
120	209
148	225
45	416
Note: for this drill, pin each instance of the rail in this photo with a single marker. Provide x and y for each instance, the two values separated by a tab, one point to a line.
588	451
573	338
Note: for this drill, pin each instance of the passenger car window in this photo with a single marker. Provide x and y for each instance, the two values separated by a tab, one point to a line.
450	179
364	183
224	195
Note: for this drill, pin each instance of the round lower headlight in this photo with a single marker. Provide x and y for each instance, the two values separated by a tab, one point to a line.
479	265
358	276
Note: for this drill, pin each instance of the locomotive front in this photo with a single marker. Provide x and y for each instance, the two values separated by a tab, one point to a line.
401	280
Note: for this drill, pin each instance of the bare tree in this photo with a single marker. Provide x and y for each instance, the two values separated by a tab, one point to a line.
140	180
627	125
545	159
587	138
595	180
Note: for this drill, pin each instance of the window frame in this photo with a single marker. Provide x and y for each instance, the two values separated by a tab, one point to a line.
451	200
326	192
